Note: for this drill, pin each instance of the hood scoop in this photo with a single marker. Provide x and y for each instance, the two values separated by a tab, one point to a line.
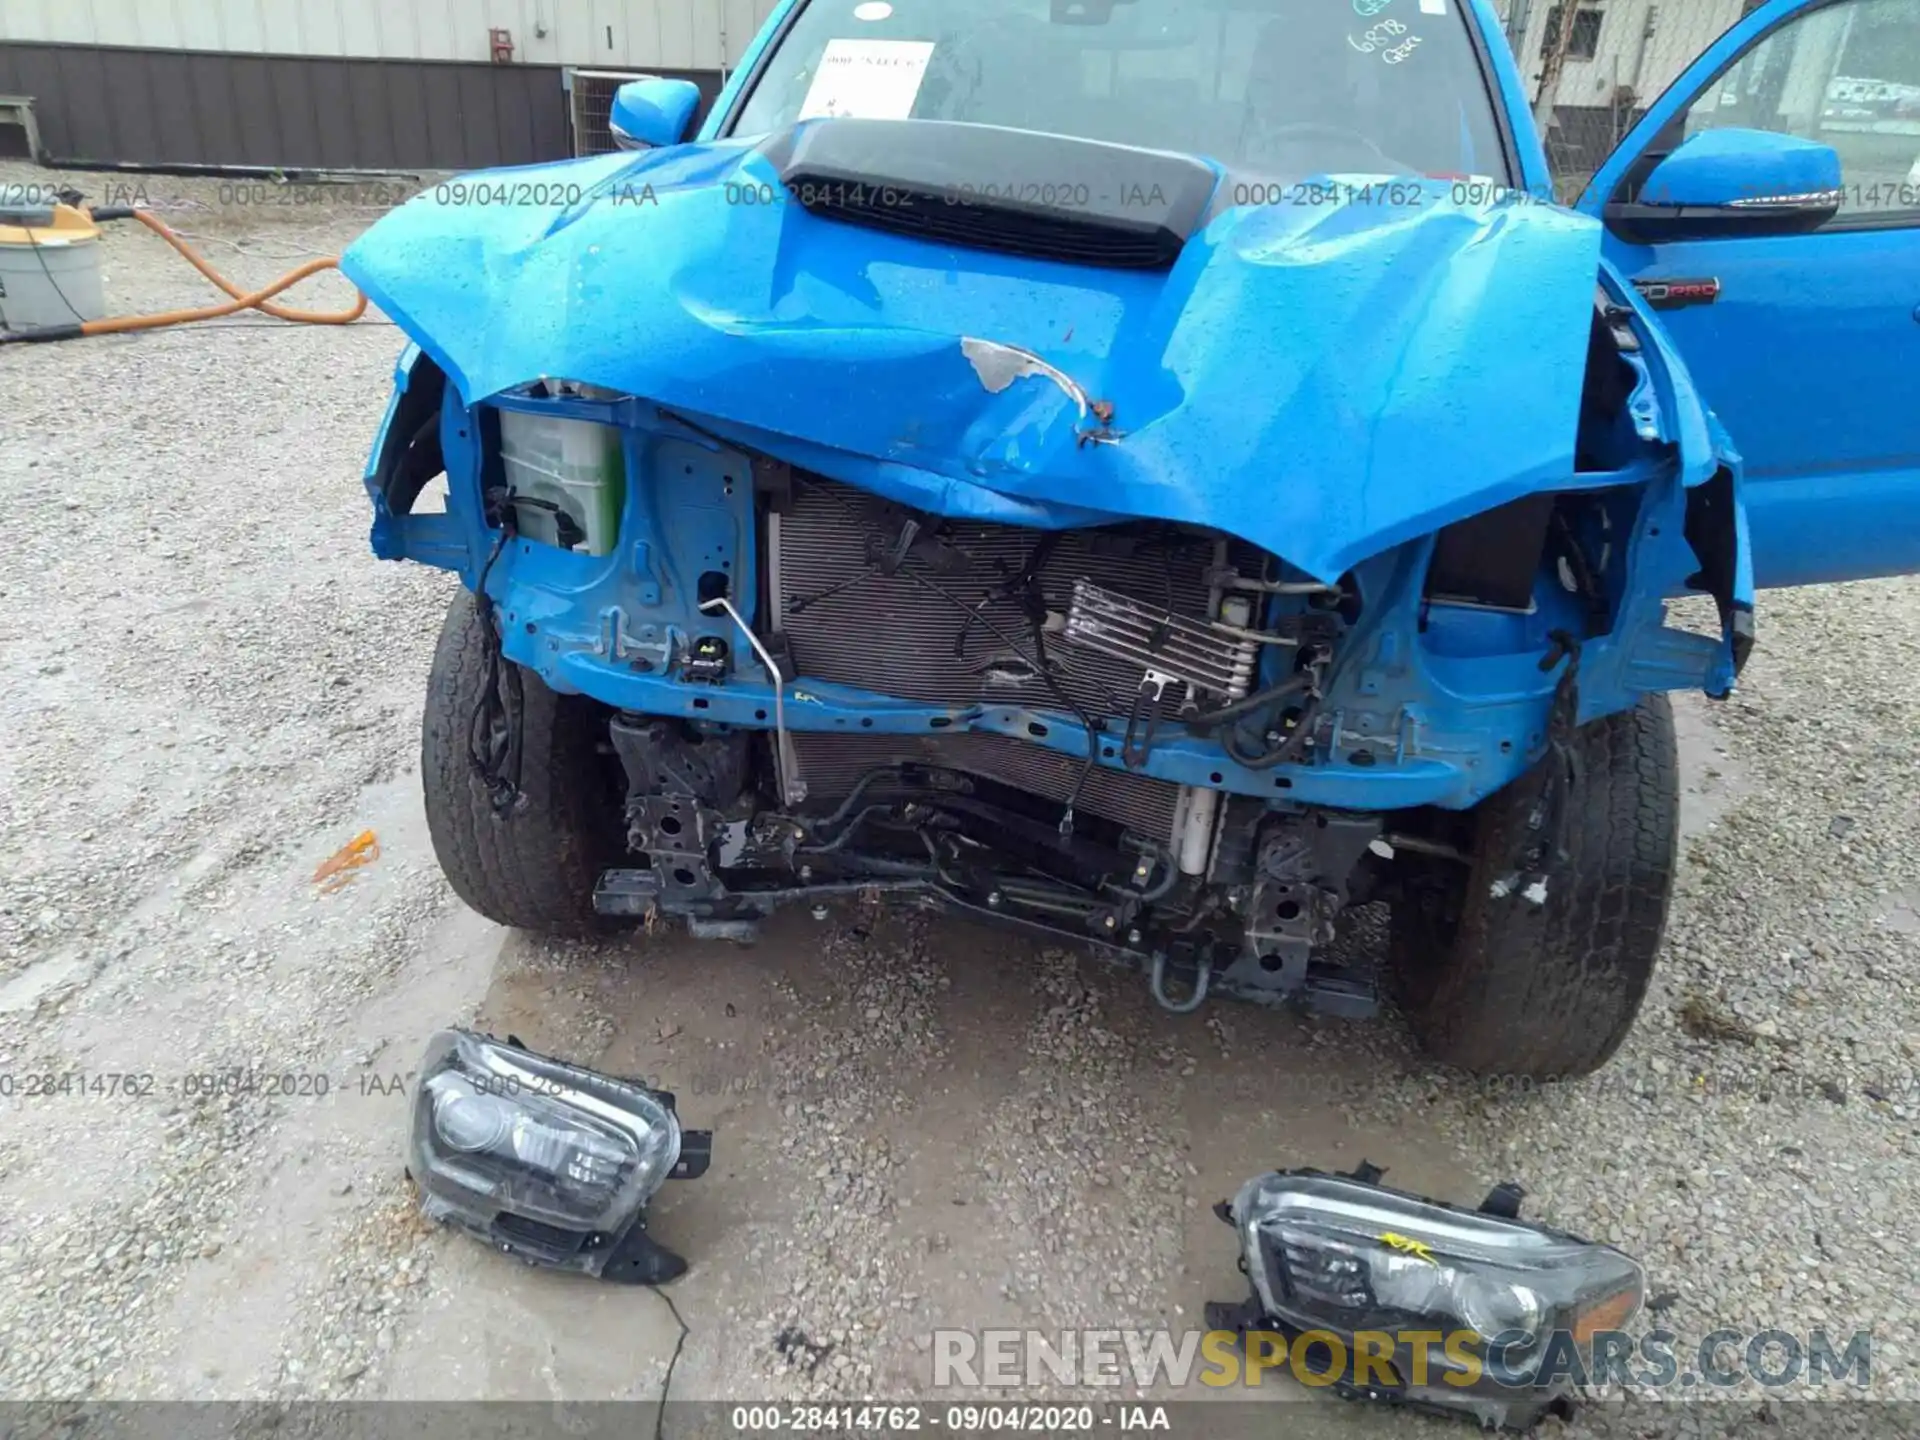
1048	197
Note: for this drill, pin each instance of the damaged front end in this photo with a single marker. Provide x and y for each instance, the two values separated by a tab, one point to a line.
1157	597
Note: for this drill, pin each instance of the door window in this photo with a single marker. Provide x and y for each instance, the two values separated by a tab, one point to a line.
1846	75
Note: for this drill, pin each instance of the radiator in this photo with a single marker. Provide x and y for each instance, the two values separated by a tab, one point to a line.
936	631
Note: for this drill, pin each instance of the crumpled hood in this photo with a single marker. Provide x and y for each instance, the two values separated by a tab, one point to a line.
1324	380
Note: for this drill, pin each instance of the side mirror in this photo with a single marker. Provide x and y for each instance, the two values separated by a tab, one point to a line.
652	112
1733	182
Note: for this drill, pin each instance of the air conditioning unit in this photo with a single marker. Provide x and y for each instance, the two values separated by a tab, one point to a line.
590	102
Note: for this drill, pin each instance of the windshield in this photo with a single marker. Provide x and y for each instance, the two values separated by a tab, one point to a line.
1283	88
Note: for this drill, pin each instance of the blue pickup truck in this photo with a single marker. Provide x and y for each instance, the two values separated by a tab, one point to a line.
1154	473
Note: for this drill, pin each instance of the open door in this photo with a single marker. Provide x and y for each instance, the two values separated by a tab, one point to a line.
1768	206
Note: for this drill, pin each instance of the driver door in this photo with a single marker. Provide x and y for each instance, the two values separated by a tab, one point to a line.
1806	345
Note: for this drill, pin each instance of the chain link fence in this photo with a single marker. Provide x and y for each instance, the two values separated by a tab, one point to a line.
1592	67
1846	75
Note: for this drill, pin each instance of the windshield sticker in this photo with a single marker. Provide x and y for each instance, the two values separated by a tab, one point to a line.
880	10
871	79
1433	7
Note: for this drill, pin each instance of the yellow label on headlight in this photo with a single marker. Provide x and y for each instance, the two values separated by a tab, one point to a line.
1407	1245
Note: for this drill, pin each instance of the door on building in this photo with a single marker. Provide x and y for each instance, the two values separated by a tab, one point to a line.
1807	345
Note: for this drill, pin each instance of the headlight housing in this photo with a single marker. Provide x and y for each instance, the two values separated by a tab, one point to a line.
547	1160
1345	1256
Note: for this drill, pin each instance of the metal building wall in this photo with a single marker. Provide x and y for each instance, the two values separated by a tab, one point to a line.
99	104
340	84
611	34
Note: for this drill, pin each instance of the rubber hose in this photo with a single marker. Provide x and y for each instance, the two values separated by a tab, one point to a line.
1277	756
1292	685
261	299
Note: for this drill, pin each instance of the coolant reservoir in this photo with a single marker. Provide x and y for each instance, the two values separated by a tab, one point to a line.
571	468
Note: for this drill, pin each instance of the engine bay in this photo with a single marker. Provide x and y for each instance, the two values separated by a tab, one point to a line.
1119	637
1123	632
1143	734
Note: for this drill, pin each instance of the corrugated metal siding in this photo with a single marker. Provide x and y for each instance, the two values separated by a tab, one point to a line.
608	34
161	107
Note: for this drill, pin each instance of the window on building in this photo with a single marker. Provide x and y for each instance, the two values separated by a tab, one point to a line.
1586	33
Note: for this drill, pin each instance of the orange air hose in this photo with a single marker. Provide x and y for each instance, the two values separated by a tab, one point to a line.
261	299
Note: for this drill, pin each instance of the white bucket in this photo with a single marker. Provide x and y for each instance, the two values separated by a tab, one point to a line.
50	270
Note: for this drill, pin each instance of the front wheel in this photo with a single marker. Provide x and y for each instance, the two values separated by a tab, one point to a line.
1547	987
534	867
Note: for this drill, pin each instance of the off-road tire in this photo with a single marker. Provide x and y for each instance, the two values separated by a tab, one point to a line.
1498	985
533	869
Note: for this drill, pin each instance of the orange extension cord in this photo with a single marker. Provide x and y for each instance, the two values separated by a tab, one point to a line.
261	299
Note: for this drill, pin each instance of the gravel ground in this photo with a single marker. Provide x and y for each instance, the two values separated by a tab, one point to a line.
210	687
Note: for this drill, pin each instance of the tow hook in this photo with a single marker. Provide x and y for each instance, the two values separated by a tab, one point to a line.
1157	983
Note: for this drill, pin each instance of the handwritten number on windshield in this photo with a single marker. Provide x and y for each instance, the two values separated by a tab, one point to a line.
1385	40
1379	35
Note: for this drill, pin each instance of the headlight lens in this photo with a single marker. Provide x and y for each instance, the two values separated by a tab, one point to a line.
498	1130
1497	1307
466	1121
1337	1253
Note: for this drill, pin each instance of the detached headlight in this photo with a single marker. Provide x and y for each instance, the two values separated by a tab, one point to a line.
1379	1269
549	1161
